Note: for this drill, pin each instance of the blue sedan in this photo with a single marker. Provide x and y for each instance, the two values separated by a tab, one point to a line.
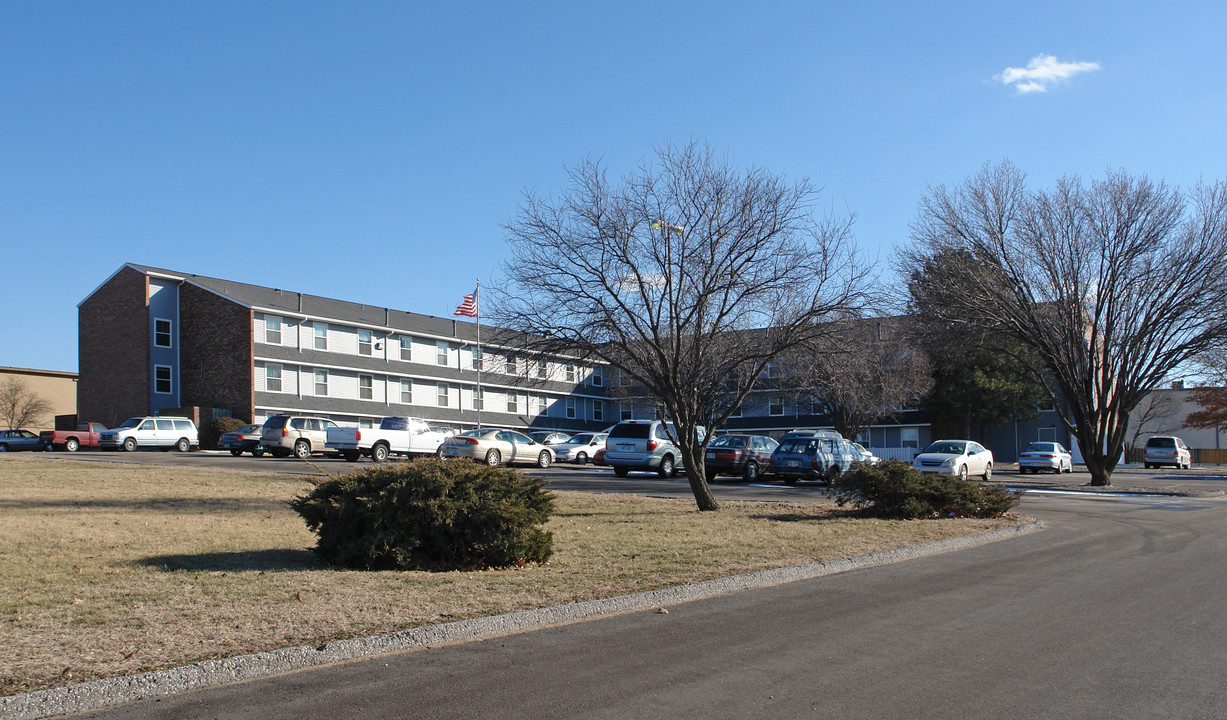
13	440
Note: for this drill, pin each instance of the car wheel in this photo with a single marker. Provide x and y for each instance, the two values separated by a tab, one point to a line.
963	472
1022	470
439	453
258	452
751	472
71	445
379	453
790	480
351	455
4	448
302	449
988	472
581	459
236	453
666	467
493	458
832	474
621	470
183	445
543	460
1146	465
129	444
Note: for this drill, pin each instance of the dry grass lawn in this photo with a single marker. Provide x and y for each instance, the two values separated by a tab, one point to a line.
114	569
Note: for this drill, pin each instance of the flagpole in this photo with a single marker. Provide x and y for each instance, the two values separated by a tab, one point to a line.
481	359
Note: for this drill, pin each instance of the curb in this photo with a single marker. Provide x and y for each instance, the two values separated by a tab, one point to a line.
214	673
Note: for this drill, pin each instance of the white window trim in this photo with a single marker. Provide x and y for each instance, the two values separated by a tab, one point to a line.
316	387
170	337
171	379
268	340
571	408
369	388
316	336
280	382
370	342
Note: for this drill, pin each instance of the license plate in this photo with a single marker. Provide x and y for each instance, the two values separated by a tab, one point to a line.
626	448
711	456
793	463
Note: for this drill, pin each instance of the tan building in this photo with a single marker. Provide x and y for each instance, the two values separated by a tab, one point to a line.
58	388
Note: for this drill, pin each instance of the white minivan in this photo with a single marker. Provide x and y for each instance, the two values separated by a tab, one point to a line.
152	432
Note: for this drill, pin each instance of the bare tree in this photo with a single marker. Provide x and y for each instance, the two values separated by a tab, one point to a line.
1114	284
19	405
688	277
866	371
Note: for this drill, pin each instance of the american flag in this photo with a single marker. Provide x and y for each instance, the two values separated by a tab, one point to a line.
468	308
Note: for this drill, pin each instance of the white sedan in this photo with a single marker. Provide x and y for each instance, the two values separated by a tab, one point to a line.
955	457
580	448
1045	456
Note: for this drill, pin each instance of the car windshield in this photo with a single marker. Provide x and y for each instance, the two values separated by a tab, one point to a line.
581	439
474	433
947	447
1161	442
800	446
1039	447
729	441
630	430
248	428
131	423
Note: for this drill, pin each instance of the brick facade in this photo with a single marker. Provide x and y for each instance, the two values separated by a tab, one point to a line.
216	346
113	350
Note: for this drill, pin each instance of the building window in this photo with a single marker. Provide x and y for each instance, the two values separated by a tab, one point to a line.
477	358
406	348
366	423
441	352
511	365
321	383
479	400
777	405
366	387
909	437
272	378
441	399
513	403
570	408
598	377
162	379
364	342
570	373
272	329
736	411
161	333
406	392
598	410
543	369
321	336
543	405
628	413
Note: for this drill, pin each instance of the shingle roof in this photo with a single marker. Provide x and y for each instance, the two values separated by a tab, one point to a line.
296	303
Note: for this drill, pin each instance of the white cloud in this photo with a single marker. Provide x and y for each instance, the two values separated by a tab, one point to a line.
1042	72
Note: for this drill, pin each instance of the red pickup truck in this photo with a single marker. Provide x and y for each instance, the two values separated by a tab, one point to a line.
86	435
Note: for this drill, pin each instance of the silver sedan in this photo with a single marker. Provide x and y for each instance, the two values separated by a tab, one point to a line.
497	447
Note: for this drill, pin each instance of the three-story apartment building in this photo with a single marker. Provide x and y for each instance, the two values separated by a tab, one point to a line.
153	340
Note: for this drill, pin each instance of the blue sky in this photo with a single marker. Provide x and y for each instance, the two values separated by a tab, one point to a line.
372	151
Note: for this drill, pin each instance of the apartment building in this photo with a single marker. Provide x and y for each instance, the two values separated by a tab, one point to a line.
154	340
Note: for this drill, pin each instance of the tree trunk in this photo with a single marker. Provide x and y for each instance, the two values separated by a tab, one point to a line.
696	473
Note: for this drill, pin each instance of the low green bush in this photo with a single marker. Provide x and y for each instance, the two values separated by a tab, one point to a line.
213	430
894	489
429	515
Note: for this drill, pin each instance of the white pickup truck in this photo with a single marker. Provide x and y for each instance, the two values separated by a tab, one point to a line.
396	434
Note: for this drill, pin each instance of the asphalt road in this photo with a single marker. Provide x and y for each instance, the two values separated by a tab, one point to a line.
1114	611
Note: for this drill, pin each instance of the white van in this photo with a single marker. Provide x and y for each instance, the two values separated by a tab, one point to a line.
152	432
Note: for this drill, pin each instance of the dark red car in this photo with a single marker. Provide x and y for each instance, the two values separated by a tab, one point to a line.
746	455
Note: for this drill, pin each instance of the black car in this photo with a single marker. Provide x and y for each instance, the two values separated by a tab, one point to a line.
245	439
14	440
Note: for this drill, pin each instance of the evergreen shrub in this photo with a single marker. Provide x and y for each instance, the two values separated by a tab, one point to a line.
894	489
214	429
429	515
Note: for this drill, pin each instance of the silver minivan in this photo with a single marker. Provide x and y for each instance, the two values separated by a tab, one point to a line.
643	445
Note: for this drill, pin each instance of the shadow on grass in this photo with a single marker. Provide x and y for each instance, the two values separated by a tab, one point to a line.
282	560
165	505
833	514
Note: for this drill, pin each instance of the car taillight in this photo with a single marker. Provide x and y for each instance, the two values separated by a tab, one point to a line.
651	445
814	463
357	435
469	440
285	432
726	455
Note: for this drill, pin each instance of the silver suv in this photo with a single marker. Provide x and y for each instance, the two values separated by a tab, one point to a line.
299	434
643	445
1167	450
